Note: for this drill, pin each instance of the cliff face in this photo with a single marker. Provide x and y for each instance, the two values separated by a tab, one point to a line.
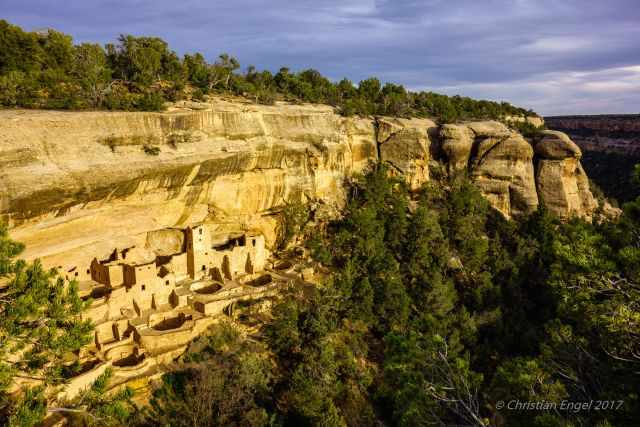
561	180
76	185
498	160
75	180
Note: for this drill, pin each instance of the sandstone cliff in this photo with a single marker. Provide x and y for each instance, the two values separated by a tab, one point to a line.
498	160
75	185
562	183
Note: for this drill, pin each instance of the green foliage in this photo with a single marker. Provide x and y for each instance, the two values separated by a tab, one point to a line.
141	73
92	72
40	326
446	309
9	250
30	410
526	128
151	150
99	407
433	311
228	385
150	101
635	176
294	216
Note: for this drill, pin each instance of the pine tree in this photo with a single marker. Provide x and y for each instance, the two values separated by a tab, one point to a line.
40	323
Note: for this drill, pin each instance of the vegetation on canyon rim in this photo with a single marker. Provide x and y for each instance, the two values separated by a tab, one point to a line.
46	70
434	309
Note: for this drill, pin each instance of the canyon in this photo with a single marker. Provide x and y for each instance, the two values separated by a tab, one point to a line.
168	220
603	133
611	149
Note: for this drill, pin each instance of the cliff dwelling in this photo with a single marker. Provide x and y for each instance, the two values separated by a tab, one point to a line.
147	307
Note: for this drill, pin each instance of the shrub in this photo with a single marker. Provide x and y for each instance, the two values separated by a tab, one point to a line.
10	88
175	138
294	217
198	95
150	101
151	150
527	129
111	142
119	98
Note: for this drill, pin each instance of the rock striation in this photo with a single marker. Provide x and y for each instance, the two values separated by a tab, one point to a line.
78	184
72	181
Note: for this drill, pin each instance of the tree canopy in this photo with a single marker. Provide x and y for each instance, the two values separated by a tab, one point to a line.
439	313
46	70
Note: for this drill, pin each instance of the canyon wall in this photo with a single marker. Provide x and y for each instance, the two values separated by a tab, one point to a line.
74	185
611	149
604	133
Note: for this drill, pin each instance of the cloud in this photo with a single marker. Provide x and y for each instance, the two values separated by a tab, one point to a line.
550	55
614	90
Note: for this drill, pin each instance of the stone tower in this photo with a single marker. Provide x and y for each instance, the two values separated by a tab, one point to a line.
198	248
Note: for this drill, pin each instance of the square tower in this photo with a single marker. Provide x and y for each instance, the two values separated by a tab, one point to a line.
198	248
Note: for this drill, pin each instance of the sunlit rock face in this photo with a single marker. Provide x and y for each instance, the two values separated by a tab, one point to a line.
405	145
563	185
71	181
556	145
75	185
497	159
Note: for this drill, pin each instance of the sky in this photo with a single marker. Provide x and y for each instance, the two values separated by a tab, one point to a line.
554	56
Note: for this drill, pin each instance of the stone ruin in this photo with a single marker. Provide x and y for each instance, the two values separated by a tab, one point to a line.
146	307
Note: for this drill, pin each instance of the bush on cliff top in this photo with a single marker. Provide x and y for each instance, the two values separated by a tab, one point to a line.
46	70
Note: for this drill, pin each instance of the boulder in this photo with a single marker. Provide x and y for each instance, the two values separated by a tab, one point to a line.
503	170
557	145
562	184
457	141
489	128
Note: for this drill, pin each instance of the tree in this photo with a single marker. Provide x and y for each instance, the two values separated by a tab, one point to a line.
635	180
19	50
59	51
97	407
226	383
92	72
143	60
197	69
427	384
222	71
40	320
369	89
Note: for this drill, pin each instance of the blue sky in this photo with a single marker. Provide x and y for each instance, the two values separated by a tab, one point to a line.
555	56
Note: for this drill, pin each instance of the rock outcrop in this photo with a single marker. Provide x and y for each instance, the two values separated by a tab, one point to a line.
74	185
556	145
498	160
535	121
405	145
562	183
